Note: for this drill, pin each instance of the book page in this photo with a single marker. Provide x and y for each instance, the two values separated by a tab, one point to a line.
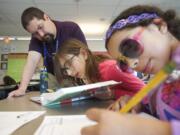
63	125
36	99
10	121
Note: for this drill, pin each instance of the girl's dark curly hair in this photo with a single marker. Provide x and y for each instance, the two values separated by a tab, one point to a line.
169	16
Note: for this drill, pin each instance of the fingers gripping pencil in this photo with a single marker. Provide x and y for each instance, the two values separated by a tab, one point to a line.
158	78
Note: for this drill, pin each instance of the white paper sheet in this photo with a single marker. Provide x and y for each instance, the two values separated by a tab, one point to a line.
63	125
68	124
10	121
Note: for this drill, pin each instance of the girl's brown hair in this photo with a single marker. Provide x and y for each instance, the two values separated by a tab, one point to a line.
73	46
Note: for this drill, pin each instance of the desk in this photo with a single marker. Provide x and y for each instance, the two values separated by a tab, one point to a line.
5	89
24	104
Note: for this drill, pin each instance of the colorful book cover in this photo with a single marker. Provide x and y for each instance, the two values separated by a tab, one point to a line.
73	93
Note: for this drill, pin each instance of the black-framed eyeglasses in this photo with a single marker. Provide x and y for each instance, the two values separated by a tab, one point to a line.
67	66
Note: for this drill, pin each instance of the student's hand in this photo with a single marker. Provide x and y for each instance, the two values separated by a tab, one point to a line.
113	123
16	93
118	104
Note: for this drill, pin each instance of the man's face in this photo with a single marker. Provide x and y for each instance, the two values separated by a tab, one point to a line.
43	30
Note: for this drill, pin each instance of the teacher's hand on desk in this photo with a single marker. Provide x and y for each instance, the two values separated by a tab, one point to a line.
17	93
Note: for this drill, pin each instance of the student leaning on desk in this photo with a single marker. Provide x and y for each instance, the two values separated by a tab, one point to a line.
47	35
150	36
75	60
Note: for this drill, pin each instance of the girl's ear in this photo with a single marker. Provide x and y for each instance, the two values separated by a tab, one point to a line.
162	25
84	53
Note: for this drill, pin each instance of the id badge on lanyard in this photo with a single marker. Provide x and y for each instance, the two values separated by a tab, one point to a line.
46	53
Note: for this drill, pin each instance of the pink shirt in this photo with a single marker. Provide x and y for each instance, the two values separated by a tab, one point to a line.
131	84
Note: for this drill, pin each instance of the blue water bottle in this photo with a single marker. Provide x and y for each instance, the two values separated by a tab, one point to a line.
43	80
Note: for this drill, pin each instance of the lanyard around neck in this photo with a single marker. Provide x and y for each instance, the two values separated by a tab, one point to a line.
46	53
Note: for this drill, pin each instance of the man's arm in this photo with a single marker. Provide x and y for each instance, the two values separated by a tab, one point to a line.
31	64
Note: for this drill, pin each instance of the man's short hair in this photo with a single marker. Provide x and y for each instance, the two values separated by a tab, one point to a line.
29	14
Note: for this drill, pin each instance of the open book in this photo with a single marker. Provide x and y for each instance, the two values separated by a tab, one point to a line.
37	99
72	93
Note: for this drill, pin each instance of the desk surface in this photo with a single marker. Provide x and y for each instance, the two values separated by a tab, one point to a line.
24	104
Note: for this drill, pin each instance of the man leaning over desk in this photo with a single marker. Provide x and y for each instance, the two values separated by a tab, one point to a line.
46	37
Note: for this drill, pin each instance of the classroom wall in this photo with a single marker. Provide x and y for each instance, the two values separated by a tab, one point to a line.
22	47
96	45
11	47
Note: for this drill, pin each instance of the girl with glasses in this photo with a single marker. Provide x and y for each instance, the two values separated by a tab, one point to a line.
75	60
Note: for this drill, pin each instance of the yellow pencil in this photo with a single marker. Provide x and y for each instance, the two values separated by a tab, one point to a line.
158	78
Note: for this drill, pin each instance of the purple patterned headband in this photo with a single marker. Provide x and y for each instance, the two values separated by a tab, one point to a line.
130	20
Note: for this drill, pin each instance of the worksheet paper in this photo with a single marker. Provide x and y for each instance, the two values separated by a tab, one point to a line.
68	124
63	125
10	121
